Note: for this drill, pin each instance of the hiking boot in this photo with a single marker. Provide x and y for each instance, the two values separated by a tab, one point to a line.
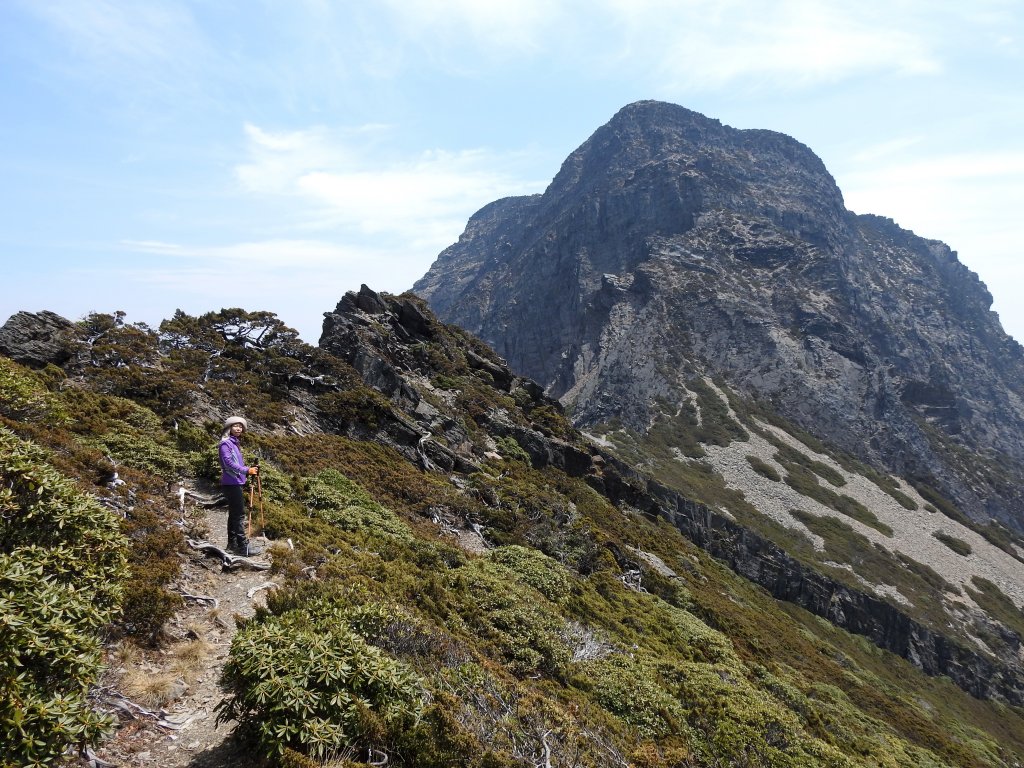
245	548
252	549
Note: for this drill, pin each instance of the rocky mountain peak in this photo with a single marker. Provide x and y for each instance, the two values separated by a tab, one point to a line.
670	246
649	142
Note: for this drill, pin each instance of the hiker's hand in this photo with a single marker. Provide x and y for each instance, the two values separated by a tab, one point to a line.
254	470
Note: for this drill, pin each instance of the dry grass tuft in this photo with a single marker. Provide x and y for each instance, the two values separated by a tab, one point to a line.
188	657
152	689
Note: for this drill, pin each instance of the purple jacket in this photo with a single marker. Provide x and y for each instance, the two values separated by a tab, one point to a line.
231	461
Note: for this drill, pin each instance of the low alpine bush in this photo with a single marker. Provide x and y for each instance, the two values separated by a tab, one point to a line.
62	564
313	684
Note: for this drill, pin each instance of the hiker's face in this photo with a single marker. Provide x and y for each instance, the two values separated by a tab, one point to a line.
237	430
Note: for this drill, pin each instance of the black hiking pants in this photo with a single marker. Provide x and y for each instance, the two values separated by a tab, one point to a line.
235	494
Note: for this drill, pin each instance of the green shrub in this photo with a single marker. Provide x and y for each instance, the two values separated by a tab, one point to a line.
936	502
358	405
736	723
535	569
146	608
550	420
62	564
791	458
443	381
959	546
143	451
904	501
334	498
852	508
510	449
927	574
23	395
695	640
764	469
516	621
804	481
717	426
631	691
313	684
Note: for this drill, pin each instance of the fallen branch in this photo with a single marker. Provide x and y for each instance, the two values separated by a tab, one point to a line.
177	725
92	760
118	700
203	500
547	751
258	587
229	560
201	599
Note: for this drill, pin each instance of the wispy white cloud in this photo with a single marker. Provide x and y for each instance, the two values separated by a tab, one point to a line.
498	27
139	60
889	148
103	29
298	280
686	44
285	254
970	200
422	200
382	219
275	160
126	36
707	44
947	169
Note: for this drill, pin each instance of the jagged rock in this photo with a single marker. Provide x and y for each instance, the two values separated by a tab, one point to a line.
37	339
376	334
670	245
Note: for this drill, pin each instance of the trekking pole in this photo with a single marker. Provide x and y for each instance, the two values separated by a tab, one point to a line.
259	494
248	512
252	493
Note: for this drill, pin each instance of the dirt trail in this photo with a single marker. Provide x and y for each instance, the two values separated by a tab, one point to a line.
177	687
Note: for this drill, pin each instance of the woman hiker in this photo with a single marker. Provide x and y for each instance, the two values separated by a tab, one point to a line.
232	480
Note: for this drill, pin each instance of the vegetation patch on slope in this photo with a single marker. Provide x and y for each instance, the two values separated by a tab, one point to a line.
62	567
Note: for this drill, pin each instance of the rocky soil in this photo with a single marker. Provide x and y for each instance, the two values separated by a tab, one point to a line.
912	529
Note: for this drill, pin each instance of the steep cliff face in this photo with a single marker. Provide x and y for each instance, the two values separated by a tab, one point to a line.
670	246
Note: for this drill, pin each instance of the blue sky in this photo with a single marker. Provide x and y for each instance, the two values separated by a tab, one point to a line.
165	154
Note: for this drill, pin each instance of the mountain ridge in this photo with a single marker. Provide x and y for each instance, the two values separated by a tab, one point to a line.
479	550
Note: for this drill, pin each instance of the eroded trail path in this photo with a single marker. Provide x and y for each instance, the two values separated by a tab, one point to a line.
166	699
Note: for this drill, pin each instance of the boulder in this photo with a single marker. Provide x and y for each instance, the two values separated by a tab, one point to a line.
37	339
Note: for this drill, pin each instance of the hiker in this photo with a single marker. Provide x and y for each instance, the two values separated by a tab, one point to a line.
235	474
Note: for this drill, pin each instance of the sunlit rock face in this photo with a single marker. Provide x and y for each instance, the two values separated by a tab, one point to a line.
669	245
36	339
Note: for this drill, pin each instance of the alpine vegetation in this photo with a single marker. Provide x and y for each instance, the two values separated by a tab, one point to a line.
456	575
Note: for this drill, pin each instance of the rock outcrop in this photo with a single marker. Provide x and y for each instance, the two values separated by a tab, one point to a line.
36	340
384	339
670	246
